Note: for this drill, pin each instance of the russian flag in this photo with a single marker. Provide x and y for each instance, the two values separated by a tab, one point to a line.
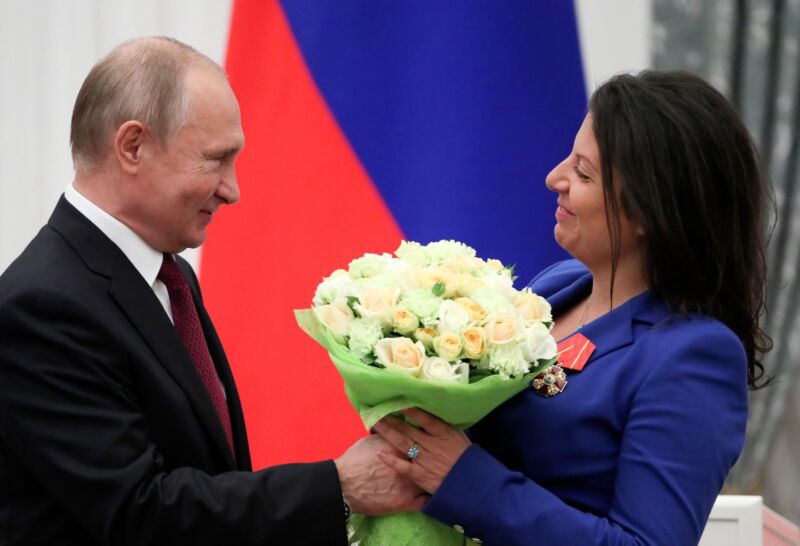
366	123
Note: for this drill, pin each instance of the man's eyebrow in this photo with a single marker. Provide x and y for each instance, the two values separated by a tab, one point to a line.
222	152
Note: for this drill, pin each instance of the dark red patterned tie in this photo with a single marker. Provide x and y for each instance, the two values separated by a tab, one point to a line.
187	323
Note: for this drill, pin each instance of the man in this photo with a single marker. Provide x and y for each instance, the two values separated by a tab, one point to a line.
119	418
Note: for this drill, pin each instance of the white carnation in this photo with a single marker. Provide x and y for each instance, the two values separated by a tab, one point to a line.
413	253
364	335
424	304
491	300
508	360
368	265
442	251
338	285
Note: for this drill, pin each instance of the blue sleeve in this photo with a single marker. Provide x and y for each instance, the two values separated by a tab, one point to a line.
685	429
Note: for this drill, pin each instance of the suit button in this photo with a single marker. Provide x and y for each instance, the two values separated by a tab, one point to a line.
459	529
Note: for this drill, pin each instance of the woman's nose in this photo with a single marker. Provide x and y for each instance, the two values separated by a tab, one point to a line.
557	179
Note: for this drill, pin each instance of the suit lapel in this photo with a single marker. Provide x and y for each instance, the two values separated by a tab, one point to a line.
137	301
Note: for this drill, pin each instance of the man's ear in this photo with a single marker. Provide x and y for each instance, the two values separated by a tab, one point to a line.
128	145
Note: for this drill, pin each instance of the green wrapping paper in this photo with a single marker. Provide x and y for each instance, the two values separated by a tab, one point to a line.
377	392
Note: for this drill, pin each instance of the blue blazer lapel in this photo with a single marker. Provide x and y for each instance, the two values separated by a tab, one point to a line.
616	328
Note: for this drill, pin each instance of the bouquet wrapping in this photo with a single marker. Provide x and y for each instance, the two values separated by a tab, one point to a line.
433	327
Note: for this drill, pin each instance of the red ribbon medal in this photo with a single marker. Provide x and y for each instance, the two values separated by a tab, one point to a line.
574	352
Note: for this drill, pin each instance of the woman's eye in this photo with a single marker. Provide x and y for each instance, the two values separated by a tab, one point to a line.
582	175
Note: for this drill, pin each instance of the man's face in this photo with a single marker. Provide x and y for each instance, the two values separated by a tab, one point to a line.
181	185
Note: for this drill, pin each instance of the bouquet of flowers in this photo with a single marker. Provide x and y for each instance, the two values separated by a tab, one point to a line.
433	327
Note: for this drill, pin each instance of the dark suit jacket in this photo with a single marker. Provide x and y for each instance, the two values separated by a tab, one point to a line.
633	452
107	435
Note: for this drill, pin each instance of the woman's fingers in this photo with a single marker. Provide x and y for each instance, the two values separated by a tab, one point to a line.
427	421
414	472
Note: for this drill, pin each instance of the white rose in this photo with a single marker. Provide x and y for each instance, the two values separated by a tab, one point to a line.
439	369
539	344
501	282
532	308
452	316
400	353
502	327
405	274
337	317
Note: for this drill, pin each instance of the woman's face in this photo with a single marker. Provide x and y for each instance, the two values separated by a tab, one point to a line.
581	227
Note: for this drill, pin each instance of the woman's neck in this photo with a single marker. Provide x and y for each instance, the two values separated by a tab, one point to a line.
629	281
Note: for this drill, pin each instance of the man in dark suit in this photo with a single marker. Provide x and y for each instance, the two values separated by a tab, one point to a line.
119	417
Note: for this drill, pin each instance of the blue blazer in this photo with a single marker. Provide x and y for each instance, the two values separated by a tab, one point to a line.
634	451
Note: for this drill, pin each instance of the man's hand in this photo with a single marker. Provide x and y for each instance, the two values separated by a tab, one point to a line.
371	487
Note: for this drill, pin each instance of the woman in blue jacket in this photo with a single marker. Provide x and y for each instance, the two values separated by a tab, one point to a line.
661	205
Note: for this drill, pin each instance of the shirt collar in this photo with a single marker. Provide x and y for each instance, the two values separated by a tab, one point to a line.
144	258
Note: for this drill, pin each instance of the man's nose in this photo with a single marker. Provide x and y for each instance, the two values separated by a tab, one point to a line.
228	189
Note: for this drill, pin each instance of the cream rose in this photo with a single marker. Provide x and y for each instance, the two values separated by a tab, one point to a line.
476	312
473	341
404	321
447	346
337	317
452	316
532	308
426	335
430	276
501	328
400	353
376	302
467	285
494	265
439	369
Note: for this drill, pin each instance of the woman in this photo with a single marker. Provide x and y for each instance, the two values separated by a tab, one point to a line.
660	203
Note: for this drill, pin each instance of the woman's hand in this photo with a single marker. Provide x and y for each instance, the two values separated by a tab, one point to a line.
438	448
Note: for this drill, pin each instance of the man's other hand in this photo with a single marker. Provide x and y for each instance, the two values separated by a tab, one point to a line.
371	487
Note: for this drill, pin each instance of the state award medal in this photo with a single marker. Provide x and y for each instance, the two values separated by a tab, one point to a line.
573	353
550	382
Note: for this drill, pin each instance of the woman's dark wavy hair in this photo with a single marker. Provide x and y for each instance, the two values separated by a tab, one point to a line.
690	175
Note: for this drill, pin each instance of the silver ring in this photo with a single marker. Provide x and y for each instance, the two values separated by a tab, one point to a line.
413	452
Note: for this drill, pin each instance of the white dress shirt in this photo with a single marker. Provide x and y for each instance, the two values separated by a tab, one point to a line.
146	259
